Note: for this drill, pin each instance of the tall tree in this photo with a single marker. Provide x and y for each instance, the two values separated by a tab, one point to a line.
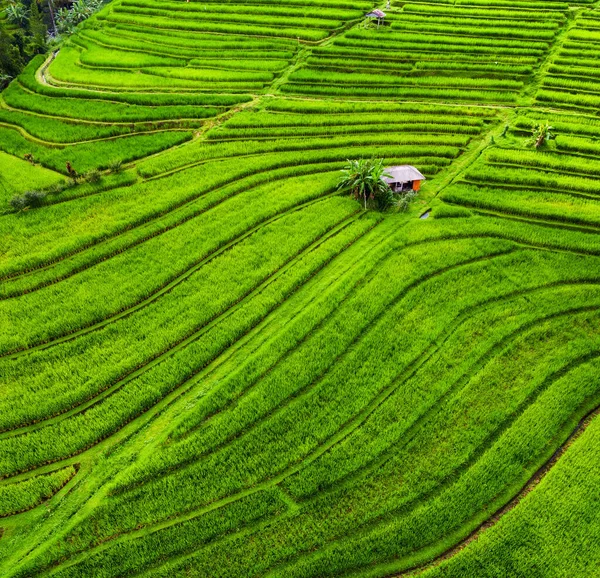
11	61
37	31
50	4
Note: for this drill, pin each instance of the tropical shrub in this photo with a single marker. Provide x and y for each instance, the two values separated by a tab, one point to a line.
363	179
542	133
28	200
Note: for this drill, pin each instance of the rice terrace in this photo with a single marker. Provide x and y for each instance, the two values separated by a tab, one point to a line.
299	288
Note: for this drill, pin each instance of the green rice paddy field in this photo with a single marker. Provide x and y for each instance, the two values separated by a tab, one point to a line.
214	364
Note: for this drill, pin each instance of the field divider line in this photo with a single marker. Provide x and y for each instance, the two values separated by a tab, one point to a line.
236	535
317	379
42	75
289	352
472	180
190	381
423	358
232	402
257	328
452	476
248	530
331	33
83	45
50	144
265	323
365	131
412	369
187	58
384	101
145	223
152	124
565	109
405	131
583	91
295	396
424	101
153	222
456	475
172	397
69	563
45	498
563	152
538	168
131	18
386	85
27	428
165	288
196	88
174	393
362	280
314	168
9	433
573	224
519	77
529	485
314	383
83	121
588	229
464	104
284	150
30	137
34	93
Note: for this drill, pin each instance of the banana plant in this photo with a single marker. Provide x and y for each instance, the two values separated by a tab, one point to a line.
541	134
16	13
363	178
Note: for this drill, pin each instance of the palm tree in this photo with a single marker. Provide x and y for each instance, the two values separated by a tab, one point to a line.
363	178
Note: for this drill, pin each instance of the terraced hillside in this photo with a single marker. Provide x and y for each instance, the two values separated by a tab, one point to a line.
213	364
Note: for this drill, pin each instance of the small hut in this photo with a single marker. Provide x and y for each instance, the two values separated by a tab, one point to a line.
377	14
403	178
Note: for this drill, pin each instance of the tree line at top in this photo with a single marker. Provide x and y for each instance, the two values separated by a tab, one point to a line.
31	27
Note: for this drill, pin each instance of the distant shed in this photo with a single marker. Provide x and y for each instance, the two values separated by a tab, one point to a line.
403	178
376	14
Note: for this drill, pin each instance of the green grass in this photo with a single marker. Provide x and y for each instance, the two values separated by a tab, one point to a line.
22	496
90	155
19	176
561	499
213	363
